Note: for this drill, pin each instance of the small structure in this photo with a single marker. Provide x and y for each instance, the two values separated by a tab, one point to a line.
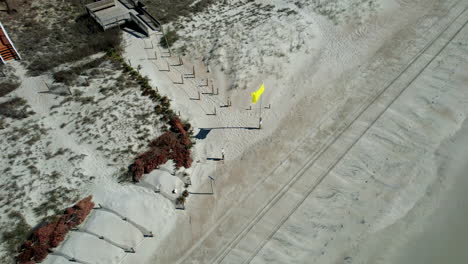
7	49
112	13
107	14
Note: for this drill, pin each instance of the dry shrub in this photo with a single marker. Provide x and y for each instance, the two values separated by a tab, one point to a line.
69	76
169	11
169	39
6	88
69	35
15	108
174	144
48	236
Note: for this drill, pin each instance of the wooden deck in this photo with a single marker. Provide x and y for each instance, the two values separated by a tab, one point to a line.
96	6
112	16
112	13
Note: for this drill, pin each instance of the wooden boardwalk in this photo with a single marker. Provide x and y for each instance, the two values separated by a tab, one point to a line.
7	50
112	13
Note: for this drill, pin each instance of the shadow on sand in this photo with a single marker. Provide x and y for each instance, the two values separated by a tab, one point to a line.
134	29
203	132
214	159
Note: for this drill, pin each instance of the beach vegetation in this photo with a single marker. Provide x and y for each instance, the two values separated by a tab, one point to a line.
169	39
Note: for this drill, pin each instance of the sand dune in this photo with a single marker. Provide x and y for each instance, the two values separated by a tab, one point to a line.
360	147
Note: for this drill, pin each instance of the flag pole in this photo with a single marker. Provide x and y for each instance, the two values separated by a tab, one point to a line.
261	98
260	120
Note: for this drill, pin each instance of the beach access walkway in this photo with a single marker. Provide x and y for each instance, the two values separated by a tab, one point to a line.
113	13
7	49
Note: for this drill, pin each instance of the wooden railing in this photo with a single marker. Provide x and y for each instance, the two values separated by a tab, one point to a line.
153	19
9	42
140	23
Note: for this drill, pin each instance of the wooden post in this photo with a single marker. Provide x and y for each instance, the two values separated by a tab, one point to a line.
168	66
250	107
149	47
211	181
215	110
182	78
167	42
212	89
199	97
204	84
193	72
48	88
155	57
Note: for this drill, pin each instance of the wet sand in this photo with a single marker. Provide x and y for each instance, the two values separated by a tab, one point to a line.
435	231
443	237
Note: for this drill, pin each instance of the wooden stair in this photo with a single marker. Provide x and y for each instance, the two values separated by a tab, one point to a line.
7	52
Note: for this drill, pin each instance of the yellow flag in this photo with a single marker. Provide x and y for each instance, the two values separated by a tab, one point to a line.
256	95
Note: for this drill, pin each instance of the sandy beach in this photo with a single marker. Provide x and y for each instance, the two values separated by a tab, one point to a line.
361	157
434	231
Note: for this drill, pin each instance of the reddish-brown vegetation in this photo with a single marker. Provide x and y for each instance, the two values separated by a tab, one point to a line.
172	145
48	236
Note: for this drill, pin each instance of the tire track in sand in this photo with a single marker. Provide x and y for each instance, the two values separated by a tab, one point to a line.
279	194
333	165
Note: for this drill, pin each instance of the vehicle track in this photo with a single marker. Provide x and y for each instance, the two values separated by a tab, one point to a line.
339	132
327	172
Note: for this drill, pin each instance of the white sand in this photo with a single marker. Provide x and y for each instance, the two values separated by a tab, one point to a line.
95	138
394	167
317	82
353	67
434	230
